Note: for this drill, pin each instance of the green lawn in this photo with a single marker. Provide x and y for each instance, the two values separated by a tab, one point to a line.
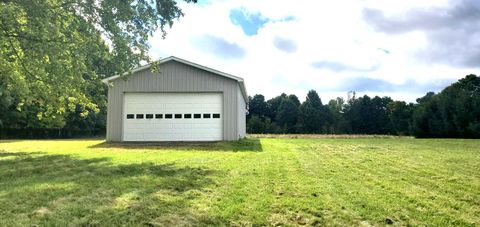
269	181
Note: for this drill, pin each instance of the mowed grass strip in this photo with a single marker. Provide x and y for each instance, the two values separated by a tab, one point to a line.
257	181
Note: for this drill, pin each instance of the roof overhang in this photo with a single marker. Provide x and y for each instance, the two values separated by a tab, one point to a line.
240	80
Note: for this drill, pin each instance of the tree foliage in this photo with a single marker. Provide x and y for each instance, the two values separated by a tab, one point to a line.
54	52
287	113
338	123
258	106
454	112
314	117
400	115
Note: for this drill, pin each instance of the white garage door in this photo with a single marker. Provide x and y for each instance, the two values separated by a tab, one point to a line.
173	117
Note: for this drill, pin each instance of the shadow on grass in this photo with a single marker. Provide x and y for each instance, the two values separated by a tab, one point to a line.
8	141
244	145
14	154
61	190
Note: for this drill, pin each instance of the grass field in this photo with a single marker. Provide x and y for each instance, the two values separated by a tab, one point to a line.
258	181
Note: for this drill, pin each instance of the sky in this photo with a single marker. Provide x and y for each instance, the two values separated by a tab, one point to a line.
401	49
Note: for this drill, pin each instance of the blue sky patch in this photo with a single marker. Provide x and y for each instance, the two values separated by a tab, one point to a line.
249	22
203	2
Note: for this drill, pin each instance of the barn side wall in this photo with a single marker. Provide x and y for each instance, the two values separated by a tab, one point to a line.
174	77
242	114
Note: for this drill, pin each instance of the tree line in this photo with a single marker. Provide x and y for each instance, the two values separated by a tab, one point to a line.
454	112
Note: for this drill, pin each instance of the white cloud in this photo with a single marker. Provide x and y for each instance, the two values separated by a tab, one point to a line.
320	31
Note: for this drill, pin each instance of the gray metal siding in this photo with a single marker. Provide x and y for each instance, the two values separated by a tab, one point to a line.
242	114
175	77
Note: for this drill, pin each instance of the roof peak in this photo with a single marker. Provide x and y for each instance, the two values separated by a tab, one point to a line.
177	59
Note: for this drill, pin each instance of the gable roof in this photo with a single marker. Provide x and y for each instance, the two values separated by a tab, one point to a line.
240	80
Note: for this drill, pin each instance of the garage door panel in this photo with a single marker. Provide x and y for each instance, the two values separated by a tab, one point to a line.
173	129
150	137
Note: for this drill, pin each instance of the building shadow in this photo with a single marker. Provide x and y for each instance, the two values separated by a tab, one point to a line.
244	145
60	190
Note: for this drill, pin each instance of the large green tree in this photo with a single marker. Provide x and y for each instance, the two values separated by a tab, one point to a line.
337	112
258	106
400	115
369	115
454	112
313	116
51	50
287	114
274	104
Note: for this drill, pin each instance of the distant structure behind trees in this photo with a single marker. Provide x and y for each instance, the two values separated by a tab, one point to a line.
452	113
